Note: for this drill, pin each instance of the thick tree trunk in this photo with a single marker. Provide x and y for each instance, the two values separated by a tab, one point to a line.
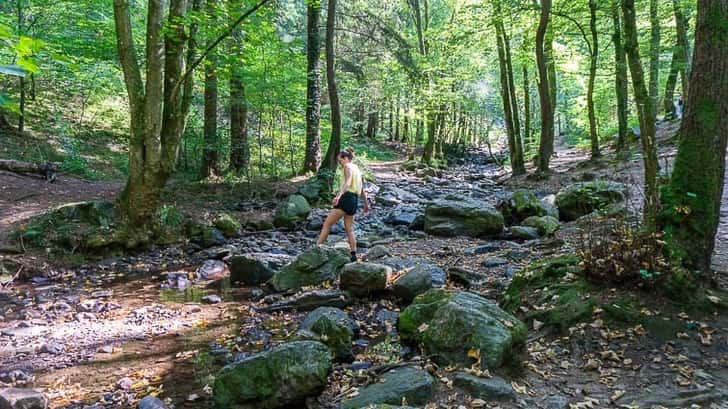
544	89
692	200
335	142
210	144
551	68
620	79
372	121
594	48
654	54
313	89
645	111
239	145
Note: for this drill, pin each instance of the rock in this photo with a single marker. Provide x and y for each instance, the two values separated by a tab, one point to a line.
20	398
583	198
524	232
125	383
488	389
412	283
546	225
392	196
334	328
495	262
314	189
53	348
418	224
377	252
310	300
212	237
227	225
151	402
462	218
291	211
401	216
437	274
213	270
450	324
212	299
278	378
520	205
483	249
256	268
259	224
556	402
463	276
410	383
312	267
363	278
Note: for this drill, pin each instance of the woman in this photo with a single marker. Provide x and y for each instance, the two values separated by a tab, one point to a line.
346	200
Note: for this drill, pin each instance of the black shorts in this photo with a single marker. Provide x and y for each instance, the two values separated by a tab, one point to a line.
348	202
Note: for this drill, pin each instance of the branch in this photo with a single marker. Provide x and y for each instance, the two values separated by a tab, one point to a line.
127	54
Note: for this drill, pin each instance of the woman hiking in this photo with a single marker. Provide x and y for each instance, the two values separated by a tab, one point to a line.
346	200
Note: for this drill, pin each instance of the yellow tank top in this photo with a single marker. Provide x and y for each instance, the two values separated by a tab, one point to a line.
356	179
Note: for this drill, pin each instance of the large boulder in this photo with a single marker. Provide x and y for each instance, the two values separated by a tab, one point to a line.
291	211
456	326
410	383
493	388
312	267
402	216
21	398
546	225
583	198
417	264
524	232
462	218
256	268
278	378
521	204
363	278
334	328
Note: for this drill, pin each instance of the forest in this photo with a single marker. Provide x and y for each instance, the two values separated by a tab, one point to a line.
384	204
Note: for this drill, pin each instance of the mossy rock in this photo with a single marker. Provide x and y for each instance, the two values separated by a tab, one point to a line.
334	328
522	204
463	218
293	210
227	224
546	225
583	198
312	267
452	324
409	383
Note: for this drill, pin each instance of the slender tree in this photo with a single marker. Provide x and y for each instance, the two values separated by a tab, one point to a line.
683	46
645	111
313	88
239	145
620	77
654	53
526	109
546	146
593	58
335	142
693	198
210	146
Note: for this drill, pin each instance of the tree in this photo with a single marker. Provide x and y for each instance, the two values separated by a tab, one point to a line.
334	148
693	197
239	145
593	57
645	111
620	77
681	28
313	88
654	53
546	145
209	150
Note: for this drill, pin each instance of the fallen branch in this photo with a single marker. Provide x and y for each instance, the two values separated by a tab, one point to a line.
48	169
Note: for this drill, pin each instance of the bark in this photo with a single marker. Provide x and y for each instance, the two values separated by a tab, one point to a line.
429	152
594	55
372	120
645	112
21	84
517	163
239	144
47	170
669	99
313	88
654	54
551	67
692	200
620	80
681	27
544	88
526	110
396	121
335	142
210	143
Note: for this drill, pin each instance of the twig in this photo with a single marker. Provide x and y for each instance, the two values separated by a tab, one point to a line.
17	274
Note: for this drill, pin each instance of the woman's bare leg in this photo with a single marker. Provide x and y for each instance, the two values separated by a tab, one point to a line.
334	216
349	226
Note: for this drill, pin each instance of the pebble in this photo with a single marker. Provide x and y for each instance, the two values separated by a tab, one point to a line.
52	348
124	383
212	299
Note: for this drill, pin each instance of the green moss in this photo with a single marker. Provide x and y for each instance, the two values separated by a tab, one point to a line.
423	308
227	224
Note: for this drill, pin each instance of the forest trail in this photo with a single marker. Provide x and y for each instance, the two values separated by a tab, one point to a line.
164	321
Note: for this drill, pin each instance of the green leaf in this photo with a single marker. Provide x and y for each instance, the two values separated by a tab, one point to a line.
14	70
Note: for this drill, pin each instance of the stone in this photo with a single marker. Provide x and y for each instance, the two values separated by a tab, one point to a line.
583	198
310	300
495	262
53	348
494	388
363	278
293	209
401	216
482	249
437	274
546	225
412	283
278	378
463	218
227	224
450	324
212	299
314	266
21	398
213	270
524	232
377	252
212	237
256	268
392	195
521	204
334	328
151	402
410	383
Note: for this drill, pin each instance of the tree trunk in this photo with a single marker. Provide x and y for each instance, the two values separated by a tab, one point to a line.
546	145
239	145
429	152
372	119
654	54
681	27
526	110
396	121
692	200
210	144
406	127
21	116
669	99
594	48
334	148
313	89
517	164
551	68
620	80
645	112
